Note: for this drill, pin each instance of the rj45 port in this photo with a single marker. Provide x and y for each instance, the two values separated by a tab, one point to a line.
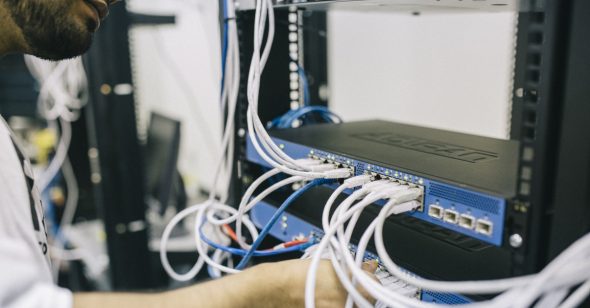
484	227
467	221
435	211
451	216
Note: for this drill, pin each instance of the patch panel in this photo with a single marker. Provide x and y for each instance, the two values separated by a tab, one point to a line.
438	198
292	227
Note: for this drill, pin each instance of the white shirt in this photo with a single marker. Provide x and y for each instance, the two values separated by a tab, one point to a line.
25	275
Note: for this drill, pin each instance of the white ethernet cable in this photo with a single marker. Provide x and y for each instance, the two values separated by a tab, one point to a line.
201	246
577	296
569	276
575	272
361	180
399	196
277	159
244	209
513	298
224	164
229	98
257	132
219	257
383	192
61	153
285	164
63	92
67	219
241	212
62	86
179	217
164	245
211	208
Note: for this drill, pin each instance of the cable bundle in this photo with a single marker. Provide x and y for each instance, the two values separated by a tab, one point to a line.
549	288
214	214
62	93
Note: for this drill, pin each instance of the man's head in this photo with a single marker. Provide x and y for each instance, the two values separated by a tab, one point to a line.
56	29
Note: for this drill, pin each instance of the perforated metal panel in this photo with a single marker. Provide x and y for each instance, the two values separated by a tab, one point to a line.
443	298
480	202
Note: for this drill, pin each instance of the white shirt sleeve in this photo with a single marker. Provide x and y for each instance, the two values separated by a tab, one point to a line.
25	276
20	283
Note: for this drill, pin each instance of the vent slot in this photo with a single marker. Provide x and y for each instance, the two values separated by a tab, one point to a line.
466	198
446	298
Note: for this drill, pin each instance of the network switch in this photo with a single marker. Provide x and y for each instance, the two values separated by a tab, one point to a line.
466	179
294	227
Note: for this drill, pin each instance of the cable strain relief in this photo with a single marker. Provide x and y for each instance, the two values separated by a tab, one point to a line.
358	180
337	173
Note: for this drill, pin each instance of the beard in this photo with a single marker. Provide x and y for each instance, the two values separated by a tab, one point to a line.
50	27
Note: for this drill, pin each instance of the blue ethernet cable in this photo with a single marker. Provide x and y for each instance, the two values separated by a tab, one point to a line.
275	217
257	253
296	114
288	118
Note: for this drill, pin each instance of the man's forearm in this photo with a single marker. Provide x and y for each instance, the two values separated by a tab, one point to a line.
246	289
269	285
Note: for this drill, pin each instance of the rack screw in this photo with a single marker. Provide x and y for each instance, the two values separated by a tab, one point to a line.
515	240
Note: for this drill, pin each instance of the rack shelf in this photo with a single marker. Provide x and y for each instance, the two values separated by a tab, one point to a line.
400	5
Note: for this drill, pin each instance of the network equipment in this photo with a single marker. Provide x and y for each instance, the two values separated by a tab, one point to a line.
164	183
466	179
293	227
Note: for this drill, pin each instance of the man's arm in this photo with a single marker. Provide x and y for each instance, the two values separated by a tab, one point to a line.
238	290
279	284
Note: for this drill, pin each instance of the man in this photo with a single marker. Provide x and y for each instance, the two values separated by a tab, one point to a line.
60	29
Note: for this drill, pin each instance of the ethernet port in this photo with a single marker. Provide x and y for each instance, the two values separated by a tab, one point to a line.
451	216
467	221
421	199
484	227
435	211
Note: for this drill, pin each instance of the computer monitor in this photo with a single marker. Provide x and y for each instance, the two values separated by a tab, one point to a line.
164	184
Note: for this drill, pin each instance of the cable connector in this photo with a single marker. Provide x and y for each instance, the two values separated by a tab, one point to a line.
322	167
309	162
392	191
404	207
340	173
406	195
358	180
375	184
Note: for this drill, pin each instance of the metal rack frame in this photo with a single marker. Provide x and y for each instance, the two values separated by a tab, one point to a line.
552	208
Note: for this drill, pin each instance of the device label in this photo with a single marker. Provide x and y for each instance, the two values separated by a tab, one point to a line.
429	146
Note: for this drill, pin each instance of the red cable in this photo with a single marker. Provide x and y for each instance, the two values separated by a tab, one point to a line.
230	232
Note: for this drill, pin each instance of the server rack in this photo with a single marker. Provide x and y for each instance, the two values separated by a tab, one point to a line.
115	156
552	207
114	150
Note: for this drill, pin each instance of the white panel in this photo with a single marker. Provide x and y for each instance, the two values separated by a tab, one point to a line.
177	73
444	70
